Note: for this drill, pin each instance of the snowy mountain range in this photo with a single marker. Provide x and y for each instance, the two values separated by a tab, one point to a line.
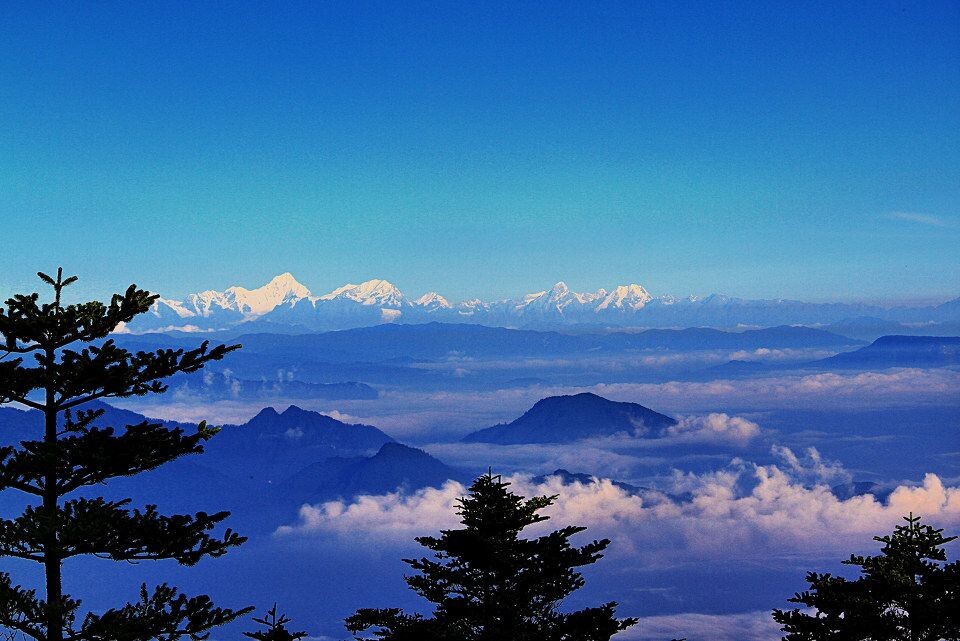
286	305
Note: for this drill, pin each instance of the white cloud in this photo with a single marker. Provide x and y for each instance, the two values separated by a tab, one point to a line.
541	458
779	355
922	219
812	468
890	388
694	626
714	427
393	514
743	512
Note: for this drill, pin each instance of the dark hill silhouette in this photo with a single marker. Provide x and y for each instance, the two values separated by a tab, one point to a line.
564	419
264	469
394	466
310	428
738	368
271	445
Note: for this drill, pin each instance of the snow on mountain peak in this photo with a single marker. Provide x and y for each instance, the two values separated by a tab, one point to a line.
625	297
285	300
558	300
281	289
432	301
370	292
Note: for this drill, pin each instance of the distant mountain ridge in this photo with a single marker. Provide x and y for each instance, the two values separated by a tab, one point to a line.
214	385
438	341
898	351
884	353
284	304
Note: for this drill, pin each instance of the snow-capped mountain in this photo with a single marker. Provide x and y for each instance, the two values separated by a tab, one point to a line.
625	298
283	289
213	309
372	292
559	301
432	302
286	305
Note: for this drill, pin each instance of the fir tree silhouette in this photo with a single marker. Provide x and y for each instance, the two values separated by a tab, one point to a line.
56	361
909	592
489	584
276	628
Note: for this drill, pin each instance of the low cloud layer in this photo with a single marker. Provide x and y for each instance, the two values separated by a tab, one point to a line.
743	511
747	626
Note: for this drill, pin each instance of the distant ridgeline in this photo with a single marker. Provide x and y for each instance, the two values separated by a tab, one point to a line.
353	364
285	305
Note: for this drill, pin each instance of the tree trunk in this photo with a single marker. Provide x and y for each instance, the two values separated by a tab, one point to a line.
51	544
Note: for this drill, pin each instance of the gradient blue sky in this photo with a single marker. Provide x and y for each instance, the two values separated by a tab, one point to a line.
782	149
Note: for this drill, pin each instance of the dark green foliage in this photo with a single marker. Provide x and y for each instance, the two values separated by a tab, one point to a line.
908	592
489	584
73	452
276	628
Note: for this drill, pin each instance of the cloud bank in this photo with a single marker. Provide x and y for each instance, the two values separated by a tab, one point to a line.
744	511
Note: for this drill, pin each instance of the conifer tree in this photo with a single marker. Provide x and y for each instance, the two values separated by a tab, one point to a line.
909	592
489	584
275	628
57	359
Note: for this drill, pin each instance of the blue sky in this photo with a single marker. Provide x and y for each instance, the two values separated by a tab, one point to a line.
783	149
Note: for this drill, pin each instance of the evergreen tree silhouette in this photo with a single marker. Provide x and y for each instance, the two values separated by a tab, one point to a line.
276	628
56	361
489	584
908	592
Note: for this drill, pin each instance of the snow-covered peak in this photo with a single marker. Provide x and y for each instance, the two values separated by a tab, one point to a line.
557	300
371	292
162	306
625	297
208	302
282	289
433	300
589	297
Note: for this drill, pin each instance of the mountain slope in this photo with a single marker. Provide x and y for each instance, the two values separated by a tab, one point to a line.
565	419
898	351
394	467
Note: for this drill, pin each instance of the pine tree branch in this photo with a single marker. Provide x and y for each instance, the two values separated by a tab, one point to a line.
107	528
14	478
110	371
28	403
164	615
20	609
16	383
89	456
18	537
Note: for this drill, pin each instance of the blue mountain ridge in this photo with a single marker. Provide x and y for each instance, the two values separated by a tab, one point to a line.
883	353
398	343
